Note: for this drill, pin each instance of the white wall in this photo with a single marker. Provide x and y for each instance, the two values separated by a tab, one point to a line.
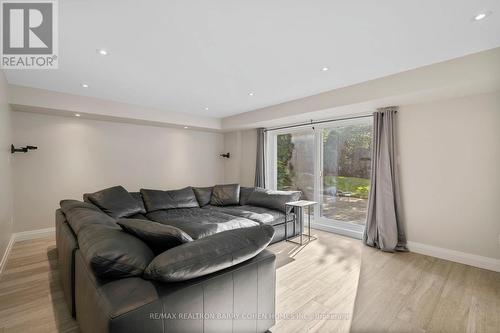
450	173
5	168
240	168
77	155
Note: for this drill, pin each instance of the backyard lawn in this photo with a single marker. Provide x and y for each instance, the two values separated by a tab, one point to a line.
356	187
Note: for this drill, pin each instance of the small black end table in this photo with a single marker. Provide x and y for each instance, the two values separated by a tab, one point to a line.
298	209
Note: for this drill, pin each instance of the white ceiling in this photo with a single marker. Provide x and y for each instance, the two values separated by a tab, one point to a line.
185	55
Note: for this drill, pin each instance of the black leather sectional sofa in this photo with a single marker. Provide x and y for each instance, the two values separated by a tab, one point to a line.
188	260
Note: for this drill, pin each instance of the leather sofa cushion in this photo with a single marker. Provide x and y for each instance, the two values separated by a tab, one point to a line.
83	214
254	213
226	195
138	197
200	222
273	199
245	194
115	201
203	195
159	237
210	254
112	253
138	217
157	199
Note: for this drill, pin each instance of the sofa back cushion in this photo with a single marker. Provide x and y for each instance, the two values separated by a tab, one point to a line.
138	197
112	253
245	194
159	237
157	199
107	249
83	214
210	254
115	201
203	195
226	195
273	199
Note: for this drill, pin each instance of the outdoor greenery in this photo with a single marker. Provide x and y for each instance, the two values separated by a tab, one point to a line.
346	160
347	151
357	187
285	169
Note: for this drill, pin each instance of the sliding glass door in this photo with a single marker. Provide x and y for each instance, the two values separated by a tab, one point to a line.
330	163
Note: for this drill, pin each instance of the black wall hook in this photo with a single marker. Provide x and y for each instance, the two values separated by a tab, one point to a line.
226	155
21	149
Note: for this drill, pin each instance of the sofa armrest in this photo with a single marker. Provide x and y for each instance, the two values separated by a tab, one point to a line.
244	295
66	247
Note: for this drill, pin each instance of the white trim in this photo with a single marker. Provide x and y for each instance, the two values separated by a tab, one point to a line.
34	234
7	252
338	230
22	236
475	260
456	256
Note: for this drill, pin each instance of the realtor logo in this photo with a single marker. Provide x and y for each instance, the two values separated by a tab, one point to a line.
29	34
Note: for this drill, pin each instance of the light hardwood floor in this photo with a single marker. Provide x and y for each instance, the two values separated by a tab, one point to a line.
333	284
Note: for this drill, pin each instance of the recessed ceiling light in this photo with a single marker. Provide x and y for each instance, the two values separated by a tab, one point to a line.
102	52
250	94
481	16
77	115
206	109
324	69
185	127
84	85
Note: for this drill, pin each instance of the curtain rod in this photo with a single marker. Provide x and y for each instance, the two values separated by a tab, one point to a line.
317	122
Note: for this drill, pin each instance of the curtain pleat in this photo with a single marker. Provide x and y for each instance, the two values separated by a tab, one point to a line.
384	227
260	165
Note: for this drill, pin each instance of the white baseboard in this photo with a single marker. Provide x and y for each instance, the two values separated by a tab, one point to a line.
34	234
22	236
338	230
488	263
7	252
491	264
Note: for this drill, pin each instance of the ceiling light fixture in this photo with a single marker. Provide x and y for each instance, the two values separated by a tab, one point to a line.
102	52
250	94
324	69
185	127
481	16
206	109
84	85
77	115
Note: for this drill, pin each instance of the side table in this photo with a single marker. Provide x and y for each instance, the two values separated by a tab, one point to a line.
298	209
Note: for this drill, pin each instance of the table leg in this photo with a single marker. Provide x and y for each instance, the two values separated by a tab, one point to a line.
294	219
286	222
308	223
301	225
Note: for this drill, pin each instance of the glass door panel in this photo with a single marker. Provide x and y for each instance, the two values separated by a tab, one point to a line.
294	166
295	162
345	170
